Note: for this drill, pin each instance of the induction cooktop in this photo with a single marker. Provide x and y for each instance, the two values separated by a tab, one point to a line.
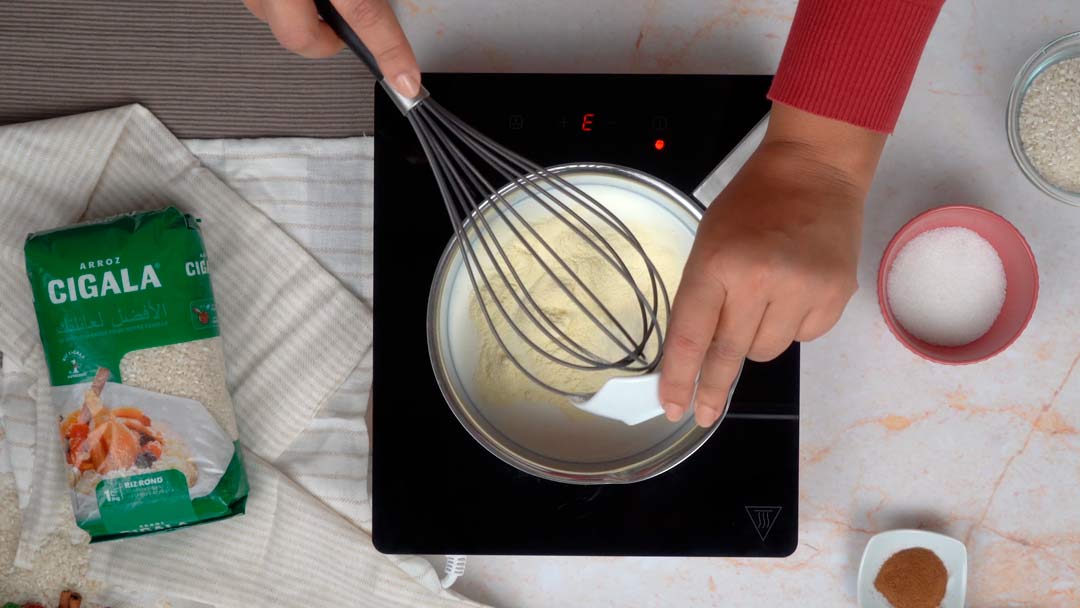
435	489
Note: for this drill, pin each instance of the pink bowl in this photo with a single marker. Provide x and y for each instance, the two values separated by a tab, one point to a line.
1021	277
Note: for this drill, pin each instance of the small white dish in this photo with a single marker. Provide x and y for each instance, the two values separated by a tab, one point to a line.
882	546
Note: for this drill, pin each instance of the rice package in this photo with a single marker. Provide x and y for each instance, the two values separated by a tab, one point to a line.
127	319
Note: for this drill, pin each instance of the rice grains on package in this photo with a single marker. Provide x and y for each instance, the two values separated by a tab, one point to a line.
127	320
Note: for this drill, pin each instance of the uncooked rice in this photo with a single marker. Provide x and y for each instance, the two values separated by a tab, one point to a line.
9	524
195	370
1050	124
58	564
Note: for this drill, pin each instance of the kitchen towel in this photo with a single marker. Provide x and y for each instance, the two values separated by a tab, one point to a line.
206	68
319	191
297	342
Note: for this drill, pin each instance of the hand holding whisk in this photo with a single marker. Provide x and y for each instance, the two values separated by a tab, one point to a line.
499	239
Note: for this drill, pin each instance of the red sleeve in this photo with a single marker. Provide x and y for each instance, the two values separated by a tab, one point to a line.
854	60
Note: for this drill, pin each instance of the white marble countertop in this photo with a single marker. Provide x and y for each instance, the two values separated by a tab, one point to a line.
989	454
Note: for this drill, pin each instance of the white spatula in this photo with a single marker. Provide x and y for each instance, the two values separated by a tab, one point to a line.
635	399
631	400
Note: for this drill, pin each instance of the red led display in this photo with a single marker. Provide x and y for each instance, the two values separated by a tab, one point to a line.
587	121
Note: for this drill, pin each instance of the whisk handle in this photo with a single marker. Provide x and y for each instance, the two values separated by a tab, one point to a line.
341	27
344	31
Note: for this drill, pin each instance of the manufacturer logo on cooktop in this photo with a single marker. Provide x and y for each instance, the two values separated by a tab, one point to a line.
763	519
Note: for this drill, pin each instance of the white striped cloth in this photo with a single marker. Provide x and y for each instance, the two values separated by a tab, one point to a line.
319	191
18	423
298	348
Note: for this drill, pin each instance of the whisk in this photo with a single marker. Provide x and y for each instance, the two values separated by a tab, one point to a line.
462	159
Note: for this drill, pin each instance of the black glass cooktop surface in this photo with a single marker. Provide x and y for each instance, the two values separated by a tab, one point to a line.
437	491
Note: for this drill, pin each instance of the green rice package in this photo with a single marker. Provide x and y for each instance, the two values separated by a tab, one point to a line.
127	320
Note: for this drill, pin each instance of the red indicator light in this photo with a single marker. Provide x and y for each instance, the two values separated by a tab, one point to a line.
586	122
659	144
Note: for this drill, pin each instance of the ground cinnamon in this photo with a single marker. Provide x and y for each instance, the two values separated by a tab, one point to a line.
913	578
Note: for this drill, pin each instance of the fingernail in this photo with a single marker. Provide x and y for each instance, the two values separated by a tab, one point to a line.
407	85
673	412
706	415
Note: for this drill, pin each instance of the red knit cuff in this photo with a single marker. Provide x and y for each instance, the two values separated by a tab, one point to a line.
854	60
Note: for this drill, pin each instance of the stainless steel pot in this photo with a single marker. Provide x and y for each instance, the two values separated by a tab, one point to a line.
673	442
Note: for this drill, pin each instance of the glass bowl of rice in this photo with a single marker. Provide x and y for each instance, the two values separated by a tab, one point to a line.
1043	120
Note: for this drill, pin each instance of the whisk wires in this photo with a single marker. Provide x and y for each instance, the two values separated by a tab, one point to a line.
483	218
